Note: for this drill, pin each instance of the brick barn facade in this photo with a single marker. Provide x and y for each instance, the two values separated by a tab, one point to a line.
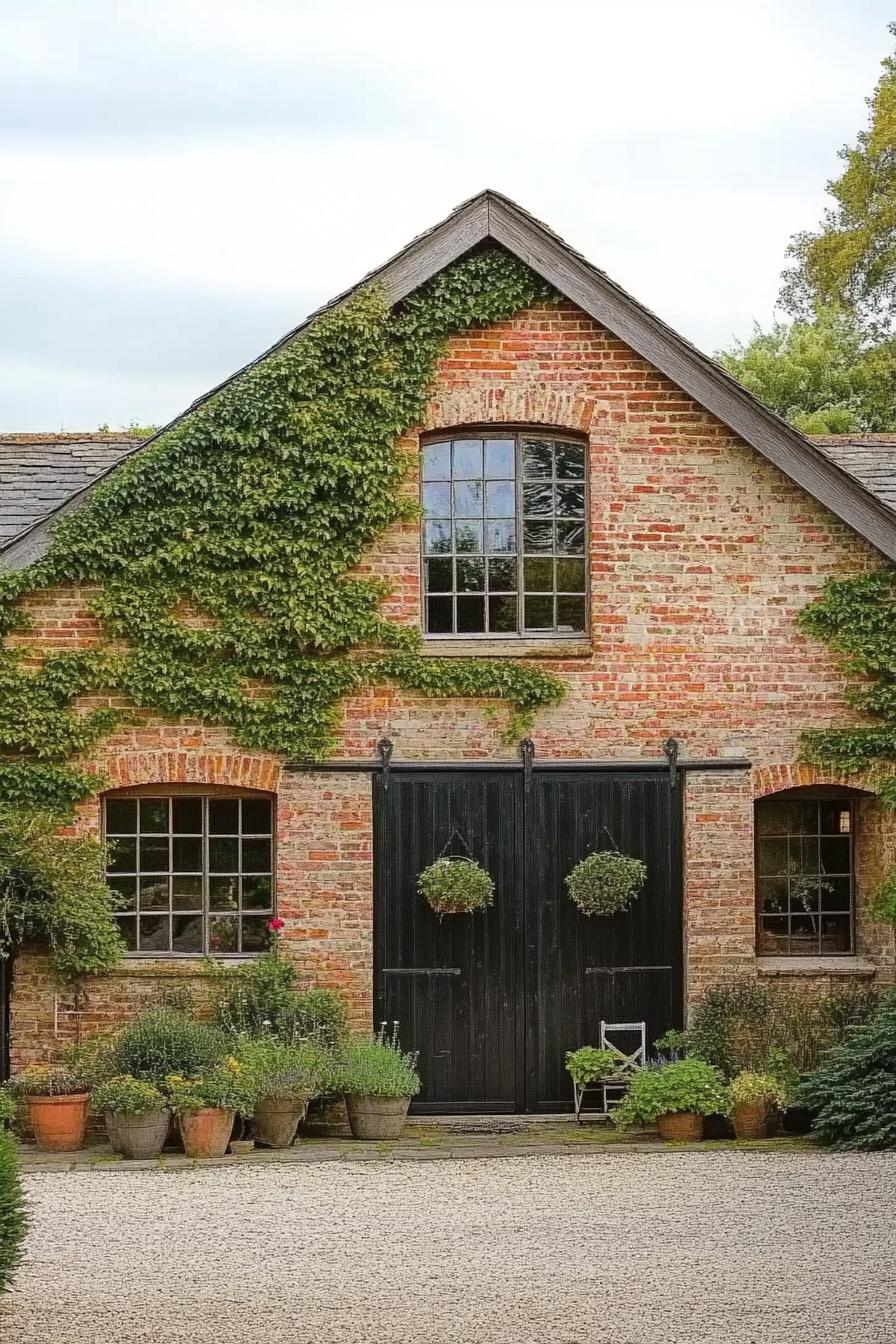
701	549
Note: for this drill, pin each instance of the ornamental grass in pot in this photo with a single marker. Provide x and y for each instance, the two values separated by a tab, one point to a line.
378	1080
675	1097
137	1116
57	1100
207	1105
282	1079
756	1100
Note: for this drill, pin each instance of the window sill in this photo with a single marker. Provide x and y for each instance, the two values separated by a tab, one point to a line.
160	967
506	648
837	967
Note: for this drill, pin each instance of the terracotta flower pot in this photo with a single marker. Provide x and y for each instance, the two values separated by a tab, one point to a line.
276	1120
206	1133
59	1123
140	1136
377	1117
751	1119
683	1126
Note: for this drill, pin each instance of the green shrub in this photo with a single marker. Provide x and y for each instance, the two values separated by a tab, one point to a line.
275	1070
260	999
375	1066
674	1044
688	1085
852	1094
606	883
321	1015
747	1088
46	1080
125	1095
12	1211
225	1087
456	886
7	1109
162	1041
589	1064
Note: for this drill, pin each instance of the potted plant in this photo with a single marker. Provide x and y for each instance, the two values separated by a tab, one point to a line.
606	882
57	1100
755	1100
674	1096
456	886
282	1079
206	1107
136	1115
589	1064
378	1081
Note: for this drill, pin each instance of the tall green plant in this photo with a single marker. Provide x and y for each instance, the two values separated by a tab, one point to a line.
162	1041
13	1223
852	1094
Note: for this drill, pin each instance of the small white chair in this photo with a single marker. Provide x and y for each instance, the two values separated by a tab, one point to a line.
618	1037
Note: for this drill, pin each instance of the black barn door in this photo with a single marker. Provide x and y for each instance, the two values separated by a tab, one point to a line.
493	1001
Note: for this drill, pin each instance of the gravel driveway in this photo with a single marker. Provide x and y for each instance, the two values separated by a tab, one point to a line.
720	1248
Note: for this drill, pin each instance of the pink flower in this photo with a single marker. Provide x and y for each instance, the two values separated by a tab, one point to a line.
275	925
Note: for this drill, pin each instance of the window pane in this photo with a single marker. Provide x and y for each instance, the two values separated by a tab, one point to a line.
256	935
186	933
835	934
186	893
773	895
467	459
154	854
571	614
223	893
155	933
121	816
834	852
124	890
439	576
256	816
471	575
503	614
773	856
436	465
834	817
500	499
570	576
467	499
122	856
570	459
128	930
803	818
437	500
153	893
256	893
223	933
538	536
187	854
538	576
803	895
223	855
439	615
538	499
539	613
773	939
804	933
804	854
772	817
499	458
470	615
223	816
500	537
836	894
501	576
468	536
187	816
256	856
571	501
437	536
537	458
571	538
153	814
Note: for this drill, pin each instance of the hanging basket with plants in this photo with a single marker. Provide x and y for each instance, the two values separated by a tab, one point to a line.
456	886
606	882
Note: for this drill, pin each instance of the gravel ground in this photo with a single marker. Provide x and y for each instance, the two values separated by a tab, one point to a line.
672	1248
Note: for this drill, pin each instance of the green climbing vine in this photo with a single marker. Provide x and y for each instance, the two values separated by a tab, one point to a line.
857	618
223	553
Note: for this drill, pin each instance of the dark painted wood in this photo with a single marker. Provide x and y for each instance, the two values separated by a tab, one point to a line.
493	1001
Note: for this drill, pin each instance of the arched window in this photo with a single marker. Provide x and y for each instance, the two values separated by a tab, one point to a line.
505	534
805	881
193	872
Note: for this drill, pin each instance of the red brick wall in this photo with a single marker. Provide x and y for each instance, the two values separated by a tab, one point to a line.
701	555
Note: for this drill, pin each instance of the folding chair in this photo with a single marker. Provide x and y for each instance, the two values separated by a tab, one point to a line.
618	1037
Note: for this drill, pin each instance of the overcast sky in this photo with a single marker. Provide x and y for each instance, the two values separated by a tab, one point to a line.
181	181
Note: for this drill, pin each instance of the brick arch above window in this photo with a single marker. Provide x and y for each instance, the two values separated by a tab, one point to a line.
769	779
513	404
195	766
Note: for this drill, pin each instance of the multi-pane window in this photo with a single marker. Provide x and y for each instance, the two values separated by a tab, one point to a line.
191	874
504	535
804	876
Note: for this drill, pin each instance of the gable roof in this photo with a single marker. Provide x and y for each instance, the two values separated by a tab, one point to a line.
870	458
493	217
39	472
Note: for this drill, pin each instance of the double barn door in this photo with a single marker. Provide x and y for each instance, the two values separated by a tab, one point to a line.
492	1001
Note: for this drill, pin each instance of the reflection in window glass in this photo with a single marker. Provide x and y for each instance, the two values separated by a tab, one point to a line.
520	497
